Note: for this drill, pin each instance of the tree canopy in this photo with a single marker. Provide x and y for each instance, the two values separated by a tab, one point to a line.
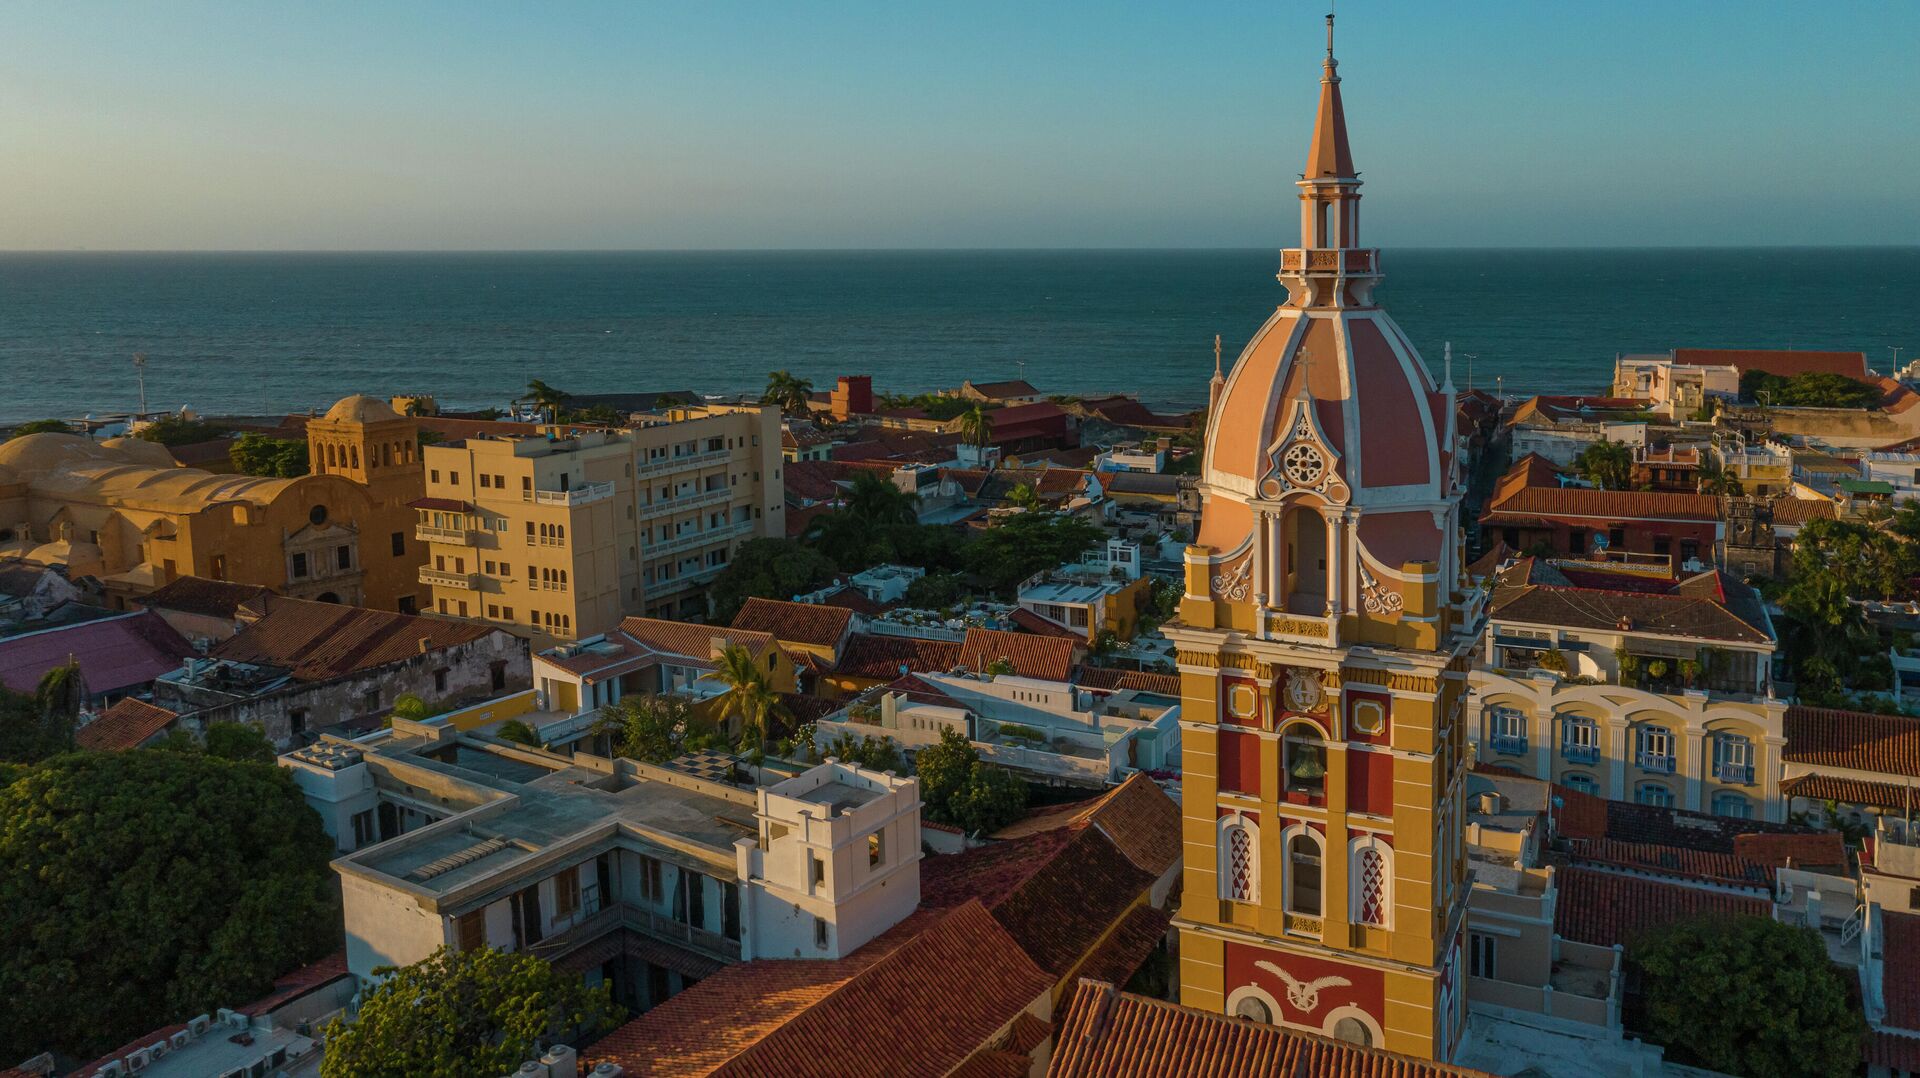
770	569
41	426
976	426
139	888
34	727
1608	465
793	395
1815	389
1004	555
1748	996
959	788
179	430
274	458
480	1012
656	728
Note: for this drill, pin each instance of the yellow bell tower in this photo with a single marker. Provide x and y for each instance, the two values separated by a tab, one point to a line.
1324	641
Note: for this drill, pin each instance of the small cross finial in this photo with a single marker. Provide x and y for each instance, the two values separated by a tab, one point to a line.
1329	31
1216	355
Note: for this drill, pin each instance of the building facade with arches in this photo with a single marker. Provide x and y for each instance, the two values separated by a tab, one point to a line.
1324	642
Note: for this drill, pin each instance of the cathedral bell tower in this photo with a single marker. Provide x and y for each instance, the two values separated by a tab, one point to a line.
1324	640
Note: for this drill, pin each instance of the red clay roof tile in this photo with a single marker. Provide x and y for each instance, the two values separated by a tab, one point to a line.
1605	908
1048	658
1854	740
1776	361
873	655
318	641
126	725
794	623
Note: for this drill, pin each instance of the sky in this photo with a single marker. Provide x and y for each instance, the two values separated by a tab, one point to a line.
648	124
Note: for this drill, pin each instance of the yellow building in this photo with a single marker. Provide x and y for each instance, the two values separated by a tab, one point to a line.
559	535
122	511
1324	642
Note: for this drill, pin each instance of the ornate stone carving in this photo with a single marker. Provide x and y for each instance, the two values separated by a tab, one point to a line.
1233	584
1304	692
1302	459
1377	598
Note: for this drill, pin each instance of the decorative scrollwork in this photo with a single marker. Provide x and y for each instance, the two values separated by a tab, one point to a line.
1377	598
1233	585
1303	464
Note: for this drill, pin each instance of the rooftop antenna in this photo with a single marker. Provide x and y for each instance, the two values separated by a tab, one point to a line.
1896	350
140	375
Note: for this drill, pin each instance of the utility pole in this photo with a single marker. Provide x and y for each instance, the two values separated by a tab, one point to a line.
140	375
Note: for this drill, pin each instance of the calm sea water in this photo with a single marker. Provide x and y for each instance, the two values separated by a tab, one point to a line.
276	332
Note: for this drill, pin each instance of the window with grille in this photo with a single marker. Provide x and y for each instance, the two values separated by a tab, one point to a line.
1238	881
1370	869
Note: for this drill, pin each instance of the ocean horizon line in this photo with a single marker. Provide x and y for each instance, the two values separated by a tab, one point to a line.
510	251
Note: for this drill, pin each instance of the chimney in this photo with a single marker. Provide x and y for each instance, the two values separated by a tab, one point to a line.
426	644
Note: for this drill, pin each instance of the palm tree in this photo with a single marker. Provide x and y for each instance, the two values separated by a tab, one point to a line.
1718	481
546	398
793	395
878	502
1023	496
60	695
976	426
750	698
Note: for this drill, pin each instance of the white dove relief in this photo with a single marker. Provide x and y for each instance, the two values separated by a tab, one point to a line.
1304	995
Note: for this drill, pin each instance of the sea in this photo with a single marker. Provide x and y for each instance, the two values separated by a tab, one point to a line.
273	333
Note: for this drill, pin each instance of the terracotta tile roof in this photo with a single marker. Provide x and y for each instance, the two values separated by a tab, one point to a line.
1652	857
794	623
1818	849
1605	908
1853	740
1070	902
811	481
1049	658
692	641
198	595
800	518
1578	815
865	1015
1780	362
1900	951
318	641
613	656
1529	503
1107	1033
1708	606
126	725
1894	1051
291	986
851	598
1007	390
873	655
116	654
1884	795
1682	829
806	708
1116	959
1111	679
1791	510
1027	621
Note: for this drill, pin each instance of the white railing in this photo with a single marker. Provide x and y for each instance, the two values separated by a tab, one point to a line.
692	539
427	533
588	494
682	504
674	464
440	579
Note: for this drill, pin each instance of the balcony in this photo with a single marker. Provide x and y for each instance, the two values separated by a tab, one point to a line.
1316	260
701	500
693	539
1581	754
1734	774
684	582
427	533
1660	763
675	464
1509	745
438	578
587	495
593	926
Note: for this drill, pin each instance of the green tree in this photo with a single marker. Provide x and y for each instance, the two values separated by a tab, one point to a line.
1905	521
959	788
878	502
936	591
546	398
413	709
139	888
655	728
518	733
976	426
480	1012
1815	389
34	727
41	426
770	569
793	395
1004	555
179	430
258	454
872	753
239	741
1748	996
1608	465
750	697
1023	496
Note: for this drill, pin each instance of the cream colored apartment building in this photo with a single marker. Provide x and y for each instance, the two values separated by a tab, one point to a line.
561	534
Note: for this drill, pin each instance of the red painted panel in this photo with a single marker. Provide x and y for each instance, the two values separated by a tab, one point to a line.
1307	988
1240	762
1369	711
1242	702
1370	782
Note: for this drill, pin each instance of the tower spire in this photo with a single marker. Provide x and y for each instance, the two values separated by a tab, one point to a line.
1219	380
1330	157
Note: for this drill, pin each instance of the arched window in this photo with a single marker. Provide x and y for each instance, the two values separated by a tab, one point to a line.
1353	1031
1653	793
1305	761
1736	806
1370	882
1239	869
355	451
1580	782
1303	873
1654	749
1255	1008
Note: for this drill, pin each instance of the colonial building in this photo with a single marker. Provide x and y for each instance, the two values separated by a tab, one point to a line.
557	536
122	511
1324	641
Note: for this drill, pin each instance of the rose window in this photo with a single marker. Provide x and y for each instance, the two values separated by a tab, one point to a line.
1303	465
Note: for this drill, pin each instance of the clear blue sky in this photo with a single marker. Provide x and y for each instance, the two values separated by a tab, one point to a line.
163	125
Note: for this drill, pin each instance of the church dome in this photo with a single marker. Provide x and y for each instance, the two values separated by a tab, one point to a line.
141	451
37	453
361	408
